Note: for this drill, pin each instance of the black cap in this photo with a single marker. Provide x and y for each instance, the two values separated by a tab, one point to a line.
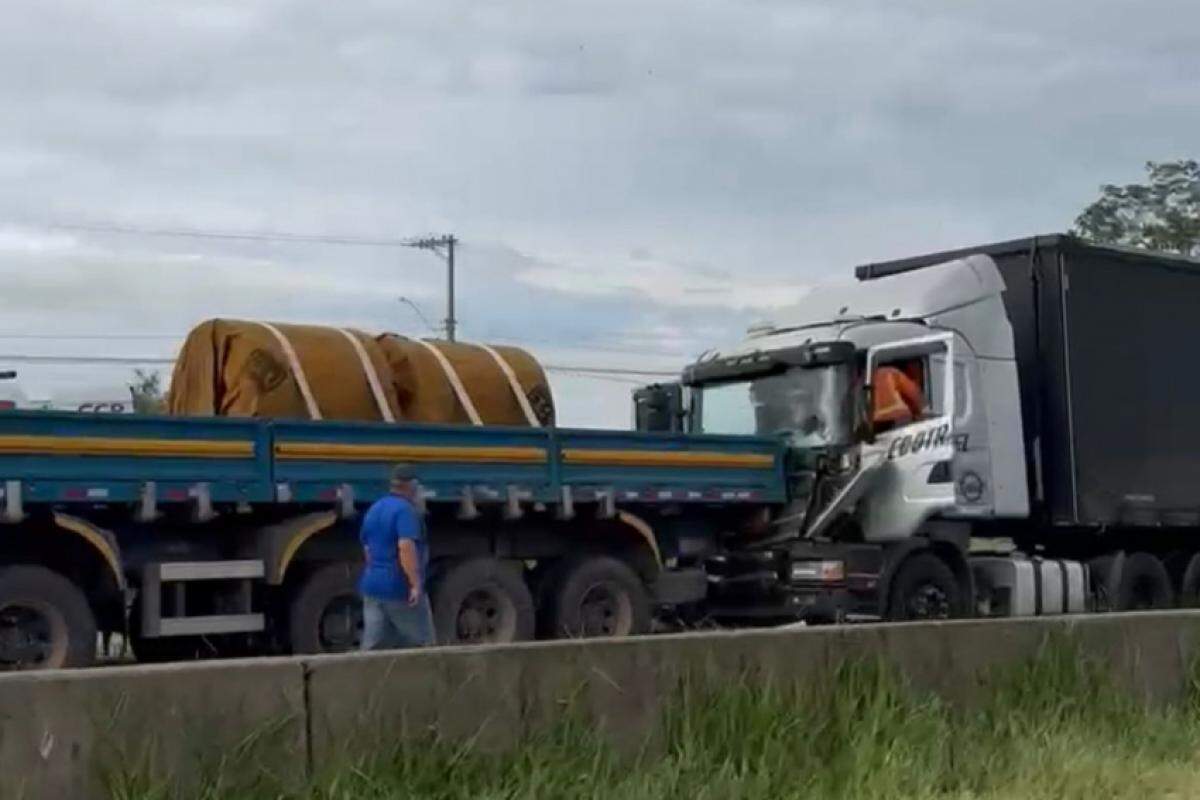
403	473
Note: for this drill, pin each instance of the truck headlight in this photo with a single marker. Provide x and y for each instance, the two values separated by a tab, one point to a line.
819	571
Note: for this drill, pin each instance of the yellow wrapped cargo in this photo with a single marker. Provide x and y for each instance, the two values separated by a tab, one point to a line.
438	381
237	368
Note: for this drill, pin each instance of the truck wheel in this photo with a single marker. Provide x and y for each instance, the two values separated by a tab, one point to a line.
598	596
924	588
481	601
1189	584
1143	584
325	615
45	621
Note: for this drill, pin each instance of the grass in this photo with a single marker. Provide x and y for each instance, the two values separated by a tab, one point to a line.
1054	728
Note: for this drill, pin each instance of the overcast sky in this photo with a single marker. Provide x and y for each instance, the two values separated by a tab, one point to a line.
632	181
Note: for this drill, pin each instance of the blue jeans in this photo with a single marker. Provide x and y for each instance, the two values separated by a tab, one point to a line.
390	624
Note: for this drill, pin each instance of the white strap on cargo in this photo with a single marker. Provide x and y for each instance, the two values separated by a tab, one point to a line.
385	411
456	384
297	371
514	384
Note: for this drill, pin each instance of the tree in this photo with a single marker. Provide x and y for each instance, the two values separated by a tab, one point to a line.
1162	214
147	392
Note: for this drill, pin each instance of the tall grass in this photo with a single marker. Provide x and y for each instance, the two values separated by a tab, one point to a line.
1054	728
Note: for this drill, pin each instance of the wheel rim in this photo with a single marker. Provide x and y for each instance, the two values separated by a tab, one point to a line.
32	635
486	615
341	624
928	601
605	610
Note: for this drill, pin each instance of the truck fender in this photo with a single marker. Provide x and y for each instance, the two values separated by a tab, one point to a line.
645	532
103	541
280	542
948	551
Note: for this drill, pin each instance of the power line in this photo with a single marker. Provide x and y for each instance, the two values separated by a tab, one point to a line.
128	360
436	244
649	373
570	344
99	337
15	358
251	236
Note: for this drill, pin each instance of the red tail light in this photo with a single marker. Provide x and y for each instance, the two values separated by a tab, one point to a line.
7	405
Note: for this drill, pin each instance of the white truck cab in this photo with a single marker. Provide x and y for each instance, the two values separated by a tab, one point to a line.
883	503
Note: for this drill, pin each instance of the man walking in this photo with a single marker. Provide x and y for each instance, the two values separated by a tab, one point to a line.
396	610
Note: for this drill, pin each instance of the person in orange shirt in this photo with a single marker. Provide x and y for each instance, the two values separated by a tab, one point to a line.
898	396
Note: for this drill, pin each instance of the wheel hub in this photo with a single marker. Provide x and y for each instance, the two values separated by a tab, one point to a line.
26	636
929	601
341	625
480	617
601	612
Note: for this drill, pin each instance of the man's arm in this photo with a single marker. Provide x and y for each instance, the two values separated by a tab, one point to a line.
411	564
408	531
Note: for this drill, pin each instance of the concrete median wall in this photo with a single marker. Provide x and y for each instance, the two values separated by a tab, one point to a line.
278	722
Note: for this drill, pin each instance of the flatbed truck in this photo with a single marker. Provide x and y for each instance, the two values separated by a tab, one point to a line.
204	536
1050	468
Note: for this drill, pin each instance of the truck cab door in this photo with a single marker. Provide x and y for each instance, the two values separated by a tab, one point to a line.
913	459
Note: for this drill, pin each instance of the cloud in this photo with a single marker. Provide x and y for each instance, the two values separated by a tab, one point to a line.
642	177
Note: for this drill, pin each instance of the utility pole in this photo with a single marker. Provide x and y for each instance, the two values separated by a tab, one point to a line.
436	245
451	322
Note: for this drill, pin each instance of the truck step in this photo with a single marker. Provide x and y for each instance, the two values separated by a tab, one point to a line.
190	598
211	624
210	570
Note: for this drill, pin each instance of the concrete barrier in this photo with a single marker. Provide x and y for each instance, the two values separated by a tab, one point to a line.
494	697
279	721
80	734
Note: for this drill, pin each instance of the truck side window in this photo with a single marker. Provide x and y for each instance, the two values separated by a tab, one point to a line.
936	383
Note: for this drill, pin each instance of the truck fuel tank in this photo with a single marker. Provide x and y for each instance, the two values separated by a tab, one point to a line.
1023	587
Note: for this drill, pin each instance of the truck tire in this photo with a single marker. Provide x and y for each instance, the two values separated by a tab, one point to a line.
481	601
924	587
325	615
45	620
1189	584
1143	583
594	596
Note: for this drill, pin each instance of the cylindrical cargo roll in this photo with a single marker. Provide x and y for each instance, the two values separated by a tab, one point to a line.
438	381
239	368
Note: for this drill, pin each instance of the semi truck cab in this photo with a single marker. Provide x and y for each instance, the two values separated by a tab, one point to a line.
899	400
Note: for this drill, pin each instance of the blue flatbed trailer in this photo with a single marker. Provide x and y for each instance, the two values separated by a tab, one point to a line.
195	535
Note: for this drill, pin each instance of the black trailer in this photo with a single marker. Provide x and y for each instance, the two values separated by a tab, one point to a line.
1106	341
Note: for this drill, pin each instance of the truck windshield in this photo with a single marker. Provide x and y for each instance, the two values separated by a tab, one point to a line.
814	406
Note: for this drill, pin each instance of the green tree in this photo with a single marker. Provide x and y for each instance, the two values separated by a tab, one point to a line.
147	392
1161	214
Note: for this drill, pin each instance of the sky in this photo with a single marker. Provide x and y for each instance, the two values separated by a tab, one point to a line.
632	182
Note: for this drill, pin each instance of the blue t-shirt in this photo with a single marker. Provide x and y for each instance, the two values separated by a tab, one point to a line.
389	520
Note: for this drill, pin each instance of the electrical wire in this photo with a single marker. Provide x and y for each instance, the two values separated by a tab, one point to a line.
23	358
568	344
251	236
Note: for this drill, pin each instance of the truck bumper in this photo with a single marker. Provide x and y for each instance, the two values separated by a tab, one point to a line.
856	592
